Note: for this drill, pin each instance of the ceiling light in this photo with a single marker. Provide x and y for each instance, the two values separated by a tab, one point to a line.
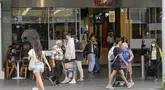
25	11
57	11
42	3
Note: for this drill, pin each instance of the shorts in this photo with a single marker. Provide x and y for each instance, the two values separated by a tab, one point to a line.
116	66
71	69
39	67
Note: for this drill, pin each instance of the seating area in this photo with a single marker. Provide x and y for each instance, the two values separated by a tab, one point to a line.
23	71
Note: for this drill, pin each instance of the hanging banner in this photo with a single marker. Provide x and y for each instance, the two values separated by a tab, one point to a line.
103	2
112	16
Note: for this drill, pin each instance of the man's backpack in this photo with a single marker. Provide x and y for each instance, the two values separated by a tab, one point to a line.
111	57
111	54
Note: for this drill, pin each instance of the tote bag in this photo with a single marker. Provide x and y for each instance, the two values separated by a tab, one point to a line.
32	65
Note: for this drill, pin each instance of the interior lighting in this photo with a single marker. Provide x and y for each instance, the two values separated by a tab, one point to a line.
57	11
25	11
42	3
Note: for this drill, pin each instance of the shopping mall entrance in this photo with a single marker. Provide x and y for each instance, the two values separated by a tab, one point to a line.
47	21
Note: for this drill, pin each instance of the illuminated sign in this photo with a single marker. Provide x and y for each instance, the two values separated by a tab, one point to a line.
103	2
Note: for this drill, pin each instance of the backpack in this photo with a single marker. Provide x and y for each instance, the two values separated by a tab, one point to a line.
111	57
111	54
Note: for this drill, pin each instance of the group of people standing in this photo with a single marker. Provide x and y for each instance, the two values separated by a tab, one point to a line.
68	57
63	58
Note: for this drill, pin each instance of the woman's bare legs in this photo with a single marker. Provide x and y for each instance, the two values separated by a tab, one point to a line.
111	76
123	77
12	69
130	72
37	84
39	80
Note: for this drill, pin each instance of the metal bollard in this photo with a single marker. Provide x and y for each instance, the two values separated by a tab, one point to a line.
142	67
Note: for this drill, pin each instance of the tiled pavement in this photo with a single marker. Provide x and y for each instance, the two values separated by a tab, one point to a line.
91	82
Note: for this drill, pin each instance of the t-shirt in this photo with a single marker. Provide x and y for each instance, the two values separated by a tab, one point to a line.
116	52
32	54
153	54
126	54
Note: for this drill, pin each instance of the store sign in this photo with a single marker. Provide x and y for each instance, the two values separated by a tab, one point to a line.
112	16
103	2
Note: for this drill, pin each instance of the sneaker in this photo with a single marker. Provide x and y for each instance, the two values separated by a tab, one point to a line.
132	83
65	81
50	79
80	80
90	71
110	87
73	82
129	85
155	80
122	83
34	88
59	85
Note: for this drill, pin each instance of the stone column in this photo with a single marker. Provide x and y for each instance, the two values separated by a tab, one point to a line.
6	32
163	39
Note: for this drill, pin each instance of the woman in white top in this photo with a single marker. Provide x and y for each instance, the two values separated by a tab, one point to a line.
37	54
155	59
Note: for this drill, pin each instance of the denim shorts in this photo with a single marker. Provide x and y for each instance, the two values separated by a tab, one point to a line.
39	67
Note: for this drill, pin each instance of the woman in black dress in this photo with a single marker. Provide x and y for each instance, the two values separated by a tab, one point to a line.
116	66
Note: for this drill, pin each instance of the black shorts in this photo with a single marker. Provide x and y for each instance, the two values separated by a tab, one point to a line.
116	66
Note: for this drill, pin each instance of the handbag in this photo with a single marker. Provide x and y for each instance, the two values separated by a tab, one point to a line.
32	65
70	67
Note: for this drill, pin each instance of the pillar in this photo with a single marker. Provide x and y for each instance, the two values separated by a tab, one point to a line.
6	32
117	23
163	39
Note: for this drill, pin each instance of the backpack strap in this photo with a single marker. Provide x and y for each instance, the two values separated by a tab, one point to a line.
115	59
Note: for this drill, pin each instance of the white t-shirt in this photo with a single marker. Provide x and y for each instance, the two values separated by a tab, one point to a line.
153	55
110	39
32	54
70	49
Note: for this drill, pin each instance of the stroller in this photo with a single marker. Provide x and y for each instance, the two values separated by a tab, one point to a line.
118	81
150	69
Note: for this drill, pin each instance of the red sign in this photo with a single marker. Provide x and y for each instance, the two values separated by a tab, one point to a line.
103	2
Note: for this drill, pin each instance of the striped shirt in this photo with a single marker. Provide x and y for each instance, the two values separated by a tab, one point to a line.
57	53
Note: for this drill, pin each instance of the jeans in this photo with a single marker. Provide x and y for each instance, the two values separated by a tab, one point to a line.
80	69
91	59
57	72
97	66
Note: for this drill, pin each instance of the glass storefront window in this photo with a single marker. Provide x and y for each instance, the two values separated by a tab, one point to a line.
146	22
46	24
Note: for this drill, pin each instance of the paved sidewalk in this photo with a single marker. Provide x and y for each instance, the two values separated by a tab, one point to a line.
91	82
88	84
